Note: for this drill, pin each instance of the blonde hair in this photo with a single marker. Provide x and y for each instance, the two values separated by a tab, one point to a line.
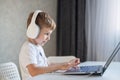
42	19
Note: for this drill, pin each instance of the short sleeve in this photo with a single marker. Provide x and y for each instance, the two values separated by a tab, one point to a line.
28	55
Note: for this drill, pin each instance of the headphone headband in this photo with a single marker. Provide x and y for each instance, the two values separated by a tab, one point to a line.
35	16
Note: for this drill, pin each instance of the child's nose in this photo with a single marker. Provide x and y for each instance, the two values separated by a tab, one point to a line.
48	38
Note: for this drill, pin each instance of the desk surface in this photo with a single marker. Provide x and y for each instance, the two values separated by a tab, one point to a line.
112	73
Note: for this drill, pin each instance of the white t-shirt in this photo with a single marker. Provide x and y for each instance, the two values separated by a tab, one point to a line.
31	54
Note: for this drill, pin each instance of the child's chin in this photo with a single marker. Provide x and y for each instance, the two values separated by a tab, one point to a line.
42	44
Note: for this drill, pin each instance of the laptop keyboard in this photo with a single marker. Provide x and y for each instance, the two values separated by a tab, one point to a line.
89	68
86	69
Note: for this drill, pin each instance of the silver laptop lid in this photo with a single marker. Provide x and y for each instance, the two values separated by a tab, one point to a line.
117	48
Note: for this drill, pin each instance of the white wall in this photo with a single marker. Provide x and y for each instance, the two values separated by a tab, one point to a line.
13	17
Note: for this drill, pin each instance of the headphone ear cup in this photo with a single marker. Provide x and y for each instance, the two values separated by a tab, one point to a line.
33	31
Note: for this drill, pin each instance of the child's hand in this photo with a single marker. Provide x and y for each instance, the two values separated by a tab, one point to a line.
65	66
70	64
74	62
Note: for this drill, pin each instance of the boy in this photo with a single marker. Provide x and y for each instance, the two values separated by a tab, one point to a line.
32	58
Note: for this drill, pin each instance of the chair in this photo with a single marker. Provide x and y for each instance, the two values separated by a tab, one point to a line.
9	71
59	59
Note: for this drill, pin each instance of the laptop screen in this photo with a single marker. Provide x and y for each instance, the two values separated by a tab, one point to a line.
117	48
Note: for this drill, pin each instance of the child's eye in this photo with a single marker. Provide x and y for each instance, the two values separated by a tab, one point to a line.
46	33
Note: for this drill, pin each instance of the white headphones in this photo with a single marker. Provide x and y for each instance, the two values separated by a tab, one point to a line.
33	29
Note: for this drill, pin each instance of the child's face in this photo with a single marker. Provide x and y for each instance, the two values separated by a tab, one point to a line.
44	36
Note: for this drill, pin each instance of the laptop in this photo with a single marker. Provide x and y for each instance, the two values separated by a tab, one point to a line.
94	69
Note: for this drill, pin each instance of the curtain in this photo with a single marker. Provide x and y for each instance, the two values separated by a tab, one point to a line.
71	28
102	28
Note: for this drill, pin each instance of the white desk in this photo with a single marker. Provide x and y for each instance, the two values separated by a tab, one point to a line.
112	73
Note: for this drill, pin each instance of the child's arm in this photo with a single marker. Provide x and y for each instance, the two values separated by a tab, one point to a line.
35	70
